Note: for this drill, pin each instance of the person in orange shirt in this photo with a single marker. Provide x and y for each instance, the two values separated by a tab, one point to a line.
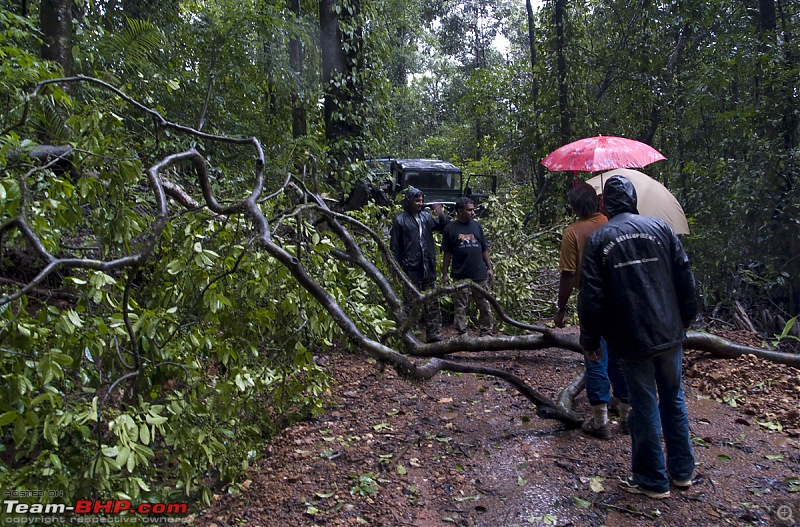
604	375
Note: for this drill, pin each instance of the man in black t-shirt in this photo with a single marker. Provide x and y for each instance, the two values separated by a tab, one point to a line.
464	245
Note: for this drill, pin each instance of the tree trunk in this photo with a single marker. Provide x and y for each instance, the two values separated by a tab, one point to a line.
342	62
270	102
296	60
55	18
561	65
532	43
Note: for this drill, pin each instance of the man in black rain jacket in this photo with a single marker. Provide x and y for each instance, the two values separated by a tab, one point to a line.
412	245
638	293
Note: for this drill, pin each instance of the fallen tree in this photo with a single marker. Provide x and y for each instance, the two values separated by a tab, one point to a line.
284	238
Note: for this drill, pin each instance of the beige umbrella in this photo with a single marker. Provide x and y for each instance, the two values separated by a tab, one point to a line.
654	199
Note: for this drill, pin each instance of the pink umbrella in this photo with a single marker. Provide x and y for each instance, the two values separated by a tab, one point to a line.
601	153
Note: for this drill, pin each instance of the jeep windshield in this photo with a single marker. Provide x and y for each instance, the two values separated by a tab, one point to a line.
440	181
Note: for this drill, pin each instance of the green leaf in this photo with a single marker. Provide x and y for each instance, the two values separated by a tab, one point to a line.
144	433
55	460
7	418
155	419
580	502
74	318
123	455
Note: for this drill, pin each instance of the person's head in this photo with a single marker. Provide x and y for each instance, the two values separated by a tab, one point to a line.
619	196
465	209
414	200
583	200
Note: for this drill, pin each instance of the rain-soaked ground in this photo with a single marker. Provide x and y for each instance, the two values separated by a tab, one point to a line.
467	450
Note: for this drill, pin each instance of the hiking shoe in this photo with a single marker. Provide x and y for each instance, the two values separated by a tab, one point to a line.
682	484
628	485
602	431
623	427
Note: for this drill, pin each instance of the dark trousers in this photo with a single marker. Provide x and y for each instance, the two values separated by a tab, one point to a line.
431	311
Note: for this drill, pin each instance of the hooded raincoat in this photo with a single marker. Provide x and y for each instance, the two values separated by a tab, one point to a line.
637	287
412	240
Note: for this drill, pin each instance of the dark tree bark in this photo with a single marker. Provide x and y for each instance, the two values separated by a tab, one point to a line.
538	176
532	43
270	101
561	65
299	128
342	63
55	19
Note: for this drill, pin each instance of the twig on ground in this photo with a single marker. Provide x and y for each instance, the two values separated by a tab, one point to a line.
624	509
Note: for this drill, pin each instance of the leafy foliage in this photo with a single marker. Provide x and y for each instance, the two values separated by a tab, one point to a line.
525	261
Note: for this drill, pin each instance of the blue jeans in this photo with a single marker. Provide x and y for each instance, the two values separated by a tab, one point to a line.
657	405
603	375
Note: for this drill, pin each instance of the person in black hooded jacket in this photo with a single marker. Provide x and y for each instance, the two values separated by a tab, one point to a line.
638	293
412	245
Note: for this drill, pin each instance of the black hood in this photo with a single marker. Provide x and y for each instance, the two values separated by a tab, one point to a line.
411	193
619	196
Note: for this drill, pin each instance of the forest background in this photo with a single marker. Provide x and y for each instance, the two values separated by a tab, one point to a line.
174	247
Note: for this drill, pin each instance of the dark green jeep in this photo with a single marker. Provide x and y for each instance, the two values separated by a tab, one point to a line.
440	181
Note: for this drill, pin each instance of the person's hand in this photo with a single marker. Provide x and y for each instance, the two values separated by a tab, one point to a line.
593	355
445	279
559	317
489	274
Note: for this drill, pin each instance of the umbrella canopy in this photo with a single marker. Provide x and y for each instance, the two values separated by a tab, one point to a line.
601	153
653	198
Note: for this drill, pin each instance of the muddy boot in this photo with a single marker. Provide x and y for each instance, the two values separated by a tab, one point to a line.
624	413
598	425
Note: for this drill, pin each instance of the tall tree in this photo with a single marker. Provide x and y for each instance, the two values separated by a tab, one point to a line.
532	43
343	74
55	18
560	7
299	128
